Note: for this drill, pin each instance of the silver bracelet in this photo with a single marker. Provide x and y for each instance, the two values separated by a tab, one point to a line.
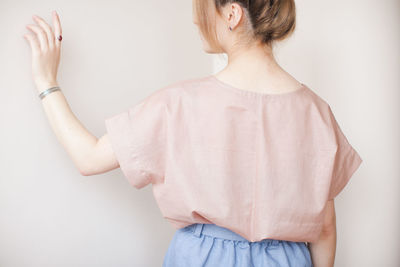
48	91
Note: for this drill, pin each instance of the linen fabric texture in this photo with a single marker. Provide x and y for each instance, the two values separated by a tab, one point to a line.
261	165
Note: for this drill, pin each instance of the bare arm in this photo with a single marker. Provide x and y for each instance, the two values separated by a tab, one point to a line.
89	154
323	251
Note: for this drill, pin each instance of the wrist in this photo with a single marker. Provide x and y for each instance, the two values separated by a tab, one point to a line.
46	85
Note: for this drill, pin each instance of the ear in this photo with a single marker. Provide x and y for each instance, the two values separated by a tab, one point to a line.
233	13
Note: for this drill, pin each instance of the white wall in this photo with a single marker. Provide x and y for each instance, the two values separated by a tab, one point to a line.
113	55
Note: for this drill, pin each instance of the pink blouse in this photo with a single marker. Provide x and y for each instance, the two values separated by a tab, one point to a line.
261	165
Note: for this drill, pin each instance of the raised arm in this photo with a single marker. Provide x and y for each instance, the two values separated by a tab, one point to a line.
89	154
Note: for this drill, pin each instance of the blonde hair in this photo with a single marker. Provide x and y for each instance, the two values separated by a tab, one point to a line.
268	20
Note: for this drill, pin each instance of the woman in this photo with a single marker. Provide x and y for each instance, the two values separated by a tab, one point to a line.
245	163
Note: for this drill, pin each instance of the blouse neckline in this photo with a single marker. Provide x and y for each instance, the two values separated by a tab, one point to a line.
292	93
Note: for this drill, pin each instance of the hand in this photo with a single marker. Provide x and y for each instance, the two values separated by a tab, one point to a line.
46	48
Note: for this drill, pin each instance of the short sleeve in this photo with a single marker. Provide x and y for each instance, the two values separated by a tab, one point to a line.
137	137
346	161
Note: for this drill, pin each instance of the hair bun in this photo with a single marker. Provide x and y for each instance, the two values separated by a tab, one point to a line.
272	19
267	20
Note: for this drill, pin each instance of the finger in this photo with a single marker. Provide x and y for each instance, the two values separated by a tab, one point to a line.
33	43
40	34
57	27
46	27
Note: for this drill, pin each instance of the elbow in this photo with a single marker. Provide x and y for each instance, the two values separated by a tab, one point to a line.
329	221
85	166
84	172
329	227
328	230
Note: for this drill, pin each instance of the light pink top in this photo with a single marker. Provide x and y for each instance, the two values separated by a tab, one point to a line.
261	165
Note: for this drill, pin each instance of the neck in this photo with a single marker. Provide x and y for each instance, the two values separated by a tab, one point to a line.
255	60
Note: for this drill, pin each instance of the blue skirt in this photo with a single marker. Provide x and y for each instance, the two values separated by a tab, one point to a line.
211	245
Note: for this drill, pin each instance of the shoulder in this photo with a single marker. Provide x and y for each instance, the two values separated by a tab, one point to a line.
185	85
174	90
321	115
319	105
315	98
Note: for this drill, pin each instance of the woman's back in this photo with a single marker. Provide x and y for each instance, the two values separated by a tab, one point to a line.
261	165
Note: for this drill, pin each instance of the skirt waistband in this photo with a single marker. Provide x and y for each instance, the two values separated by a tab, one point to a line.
221	232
